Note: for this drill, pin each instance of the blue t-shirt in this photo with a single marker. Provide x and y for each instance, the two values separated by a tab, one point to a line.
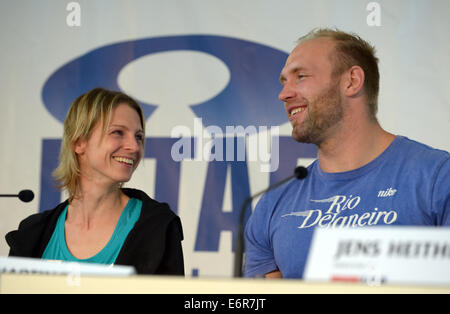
408	184
57	248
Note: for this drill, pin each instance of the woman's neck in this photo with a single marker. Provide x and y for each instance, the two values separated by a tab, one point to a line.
94	204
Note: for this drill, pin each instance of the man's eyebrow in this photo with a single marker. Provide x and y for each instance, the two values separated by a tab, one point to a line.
293	70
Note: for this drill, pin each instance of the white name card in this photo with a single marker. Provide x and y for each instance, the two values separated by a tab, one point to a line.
23	265
376	255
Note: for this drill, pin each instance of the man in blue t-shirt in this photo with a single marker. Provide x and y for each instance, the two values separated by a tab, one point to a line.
364	176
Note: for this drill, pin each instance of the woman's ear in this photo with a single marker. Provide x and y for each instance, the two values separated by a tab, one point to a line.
79	146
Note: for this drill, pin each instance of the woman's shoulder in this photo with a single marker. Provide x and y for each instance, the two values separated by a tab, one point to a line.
150	206
155	216
31	230
42	217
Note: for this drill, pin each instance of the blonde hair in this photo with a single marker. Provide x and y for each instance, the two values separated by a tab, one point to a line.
85	112
352	50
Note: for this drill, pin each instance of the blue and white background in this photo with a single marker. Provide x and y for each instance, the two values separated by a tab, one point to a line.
185	61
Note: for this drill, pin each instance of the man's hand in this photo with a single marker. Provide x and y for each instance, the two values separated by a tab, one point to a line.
276	274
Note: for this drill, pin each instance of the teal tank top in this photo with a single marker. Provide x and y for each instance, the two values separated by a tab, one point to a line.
57	248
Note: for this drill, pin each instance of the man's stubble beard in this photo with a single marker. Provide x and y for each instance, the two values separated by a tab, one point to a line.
323	113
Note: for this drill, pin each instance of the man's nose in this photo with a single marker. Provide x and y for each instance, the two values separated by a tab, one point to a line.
287	93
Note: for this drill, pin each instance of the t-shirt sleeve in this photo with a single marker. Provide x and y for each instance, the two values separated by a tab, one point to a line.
259	257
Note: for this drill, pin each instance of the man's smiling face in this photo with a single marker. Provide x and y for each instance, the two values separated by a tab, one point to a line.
311	93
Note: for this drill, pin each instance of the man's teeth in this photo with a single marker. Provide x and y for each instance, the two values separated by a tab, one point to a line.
297	110
125	160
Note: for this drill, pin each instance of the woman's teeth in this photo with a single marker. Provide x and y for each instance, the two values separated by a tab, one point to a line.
124	160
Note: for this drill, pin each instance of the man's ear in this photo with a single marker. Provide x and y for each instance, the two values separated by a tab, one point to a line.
354	81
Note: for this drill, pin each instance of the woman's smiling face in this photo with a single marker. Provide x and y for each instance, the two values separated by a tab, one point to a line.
113	156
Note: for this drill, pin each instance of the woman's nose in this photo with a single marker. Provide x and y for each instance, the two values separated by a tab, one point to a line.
132	144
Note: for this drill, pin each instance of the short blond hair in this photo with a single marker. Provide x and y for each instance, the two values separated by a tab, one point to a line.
85	112
352	50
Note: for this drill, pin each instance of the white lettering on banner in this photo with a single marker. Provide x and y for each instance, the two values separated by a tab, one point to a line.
74	17
263	145
374	17
329	218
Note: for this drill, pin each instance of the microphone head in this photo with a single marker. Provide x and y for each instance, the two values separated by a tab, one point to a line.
26	195
300	172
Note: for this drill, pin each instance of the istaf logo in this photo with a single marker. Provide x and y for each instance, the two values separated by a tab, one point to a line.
249	99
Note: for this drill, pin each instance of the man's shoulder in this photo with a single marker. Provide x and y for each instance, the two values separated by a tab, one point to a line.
419	152
420	147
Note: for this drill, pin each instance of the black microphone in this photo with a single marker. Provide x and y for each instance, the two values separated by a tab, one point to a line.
300	173
24	195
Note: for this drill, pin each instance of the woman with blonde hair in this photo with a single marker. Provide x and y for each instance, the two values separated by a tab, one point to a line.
102	222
